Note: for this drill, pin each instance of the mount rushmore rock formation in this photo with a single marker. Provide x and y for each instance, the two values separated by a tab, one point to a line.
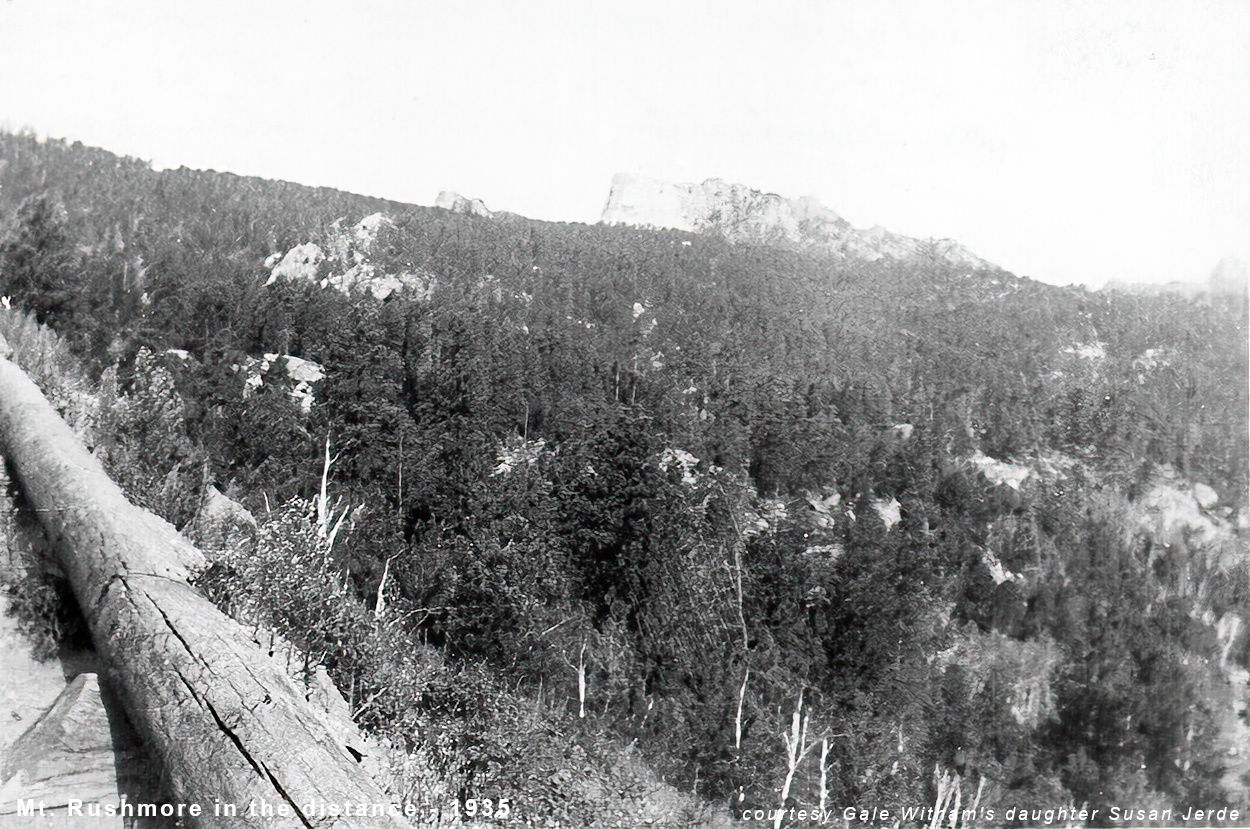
742	214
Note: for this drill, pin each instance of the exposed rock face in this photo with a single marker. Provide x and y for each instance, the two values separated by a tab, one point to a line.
1205	496
456	203
517	453
984	657
300	264
902	431
686	464
998	572
1000	472
766	517
303	373
354	245
418	284
1095	351
1178	514
890	511
350	263
742	214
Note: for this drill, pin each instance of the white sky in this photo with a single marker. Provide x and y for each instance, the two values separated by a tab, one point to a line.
1068	141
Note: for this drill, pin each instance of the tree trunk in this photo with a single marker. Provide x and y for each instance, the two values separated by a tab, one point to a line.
225	723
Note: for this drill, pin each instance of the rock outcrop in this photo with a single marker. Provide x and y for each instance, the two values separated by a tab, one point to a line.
300	264
418	284
456	203
304	374
742	214
348	263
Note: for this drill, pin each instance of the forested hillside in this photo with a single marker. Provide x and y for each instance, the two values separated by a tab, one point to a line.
617	506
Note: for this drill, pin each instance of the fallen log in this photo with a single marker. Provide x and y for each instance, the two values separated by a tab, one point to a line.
227	726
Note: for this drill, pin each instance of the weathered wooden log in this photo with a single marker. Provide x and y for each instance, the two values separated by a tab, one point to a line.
225	723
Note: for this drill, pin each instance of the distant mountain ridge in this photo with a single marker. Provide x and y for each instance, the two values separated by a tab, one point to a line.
1229	278
743	214
456	203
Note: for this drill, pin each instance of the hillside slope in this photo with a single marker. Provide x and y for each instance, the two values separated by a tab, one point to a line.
619	504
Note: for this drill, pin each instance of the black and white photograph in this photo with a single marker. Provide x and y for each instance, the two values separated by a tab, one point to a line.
673	413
